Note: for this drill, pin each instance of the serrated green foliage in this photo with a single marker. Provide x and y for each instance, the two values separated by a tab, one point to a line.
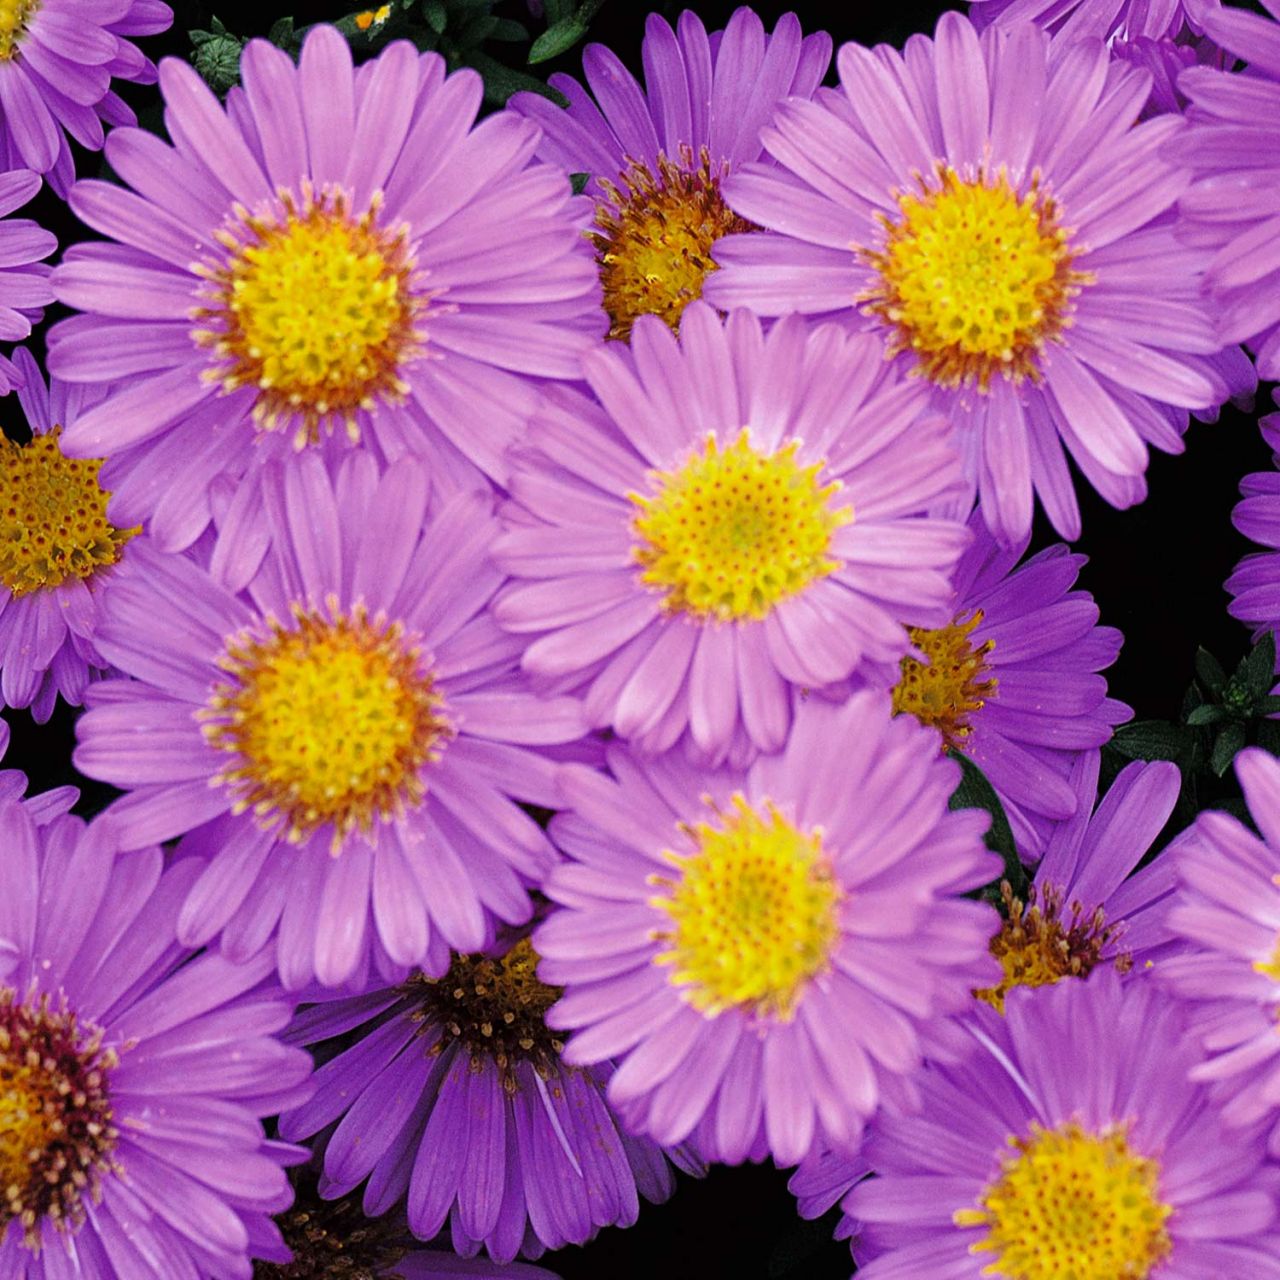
975	792
1228	712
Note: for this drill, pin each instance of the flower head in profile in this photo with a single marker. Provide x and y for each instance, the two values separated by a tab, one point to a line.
345	741
655	157
741	514
132	1076
454	1097
58	551
1006	229
329	259
1013	677
762	952
1069	1141
24	276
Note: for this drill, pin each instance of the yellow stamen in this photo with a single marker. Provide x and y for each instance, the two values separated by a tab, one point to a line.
753	911
331	720
1071	1203
734	531
974	279
953	685
14	16
53	516
655	238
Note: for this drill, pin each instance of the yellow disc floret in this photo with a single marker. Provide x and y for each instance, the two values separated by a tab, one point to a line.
1073	1204
14	16
974	278
331	721
753	911
53	516
954	684
316	309
56	1134
655	238
734	531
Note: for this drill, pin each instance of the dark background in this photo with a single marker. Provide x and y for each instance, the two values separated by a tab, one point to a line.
1156	571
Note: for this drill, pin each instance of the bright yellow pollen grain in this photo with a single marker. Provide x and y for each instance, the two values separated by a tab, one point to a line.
14	16
655	235
1072	1205
954	684
974	279
53	516
734	531
1270	967
315	310
330	719
753	911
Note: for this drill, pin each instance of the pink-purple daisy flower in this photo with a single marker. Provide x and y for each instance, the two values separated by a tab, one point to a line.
741	514
1233	206
43	807
1012	679
655	157
1110	19
331	258
57	61
1254	585
132	1077
24	277
1228	909
1069	1142
345	740
761	952
57	551
453	1097
1084	334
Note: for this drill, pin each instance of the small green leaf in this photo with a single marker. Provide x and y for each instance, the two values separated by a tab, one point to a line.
578	181
1257	671
1269	736
474	32
508	31
281	34
556	40
1150	740
1210	672
501	82
1207	713
556	10
975	792
437	18
1230	740
1267	706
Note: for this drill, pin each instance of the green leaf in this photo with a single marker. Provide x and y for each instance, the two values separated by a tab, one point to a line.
1266	706
1230	740
217	56
1210	671
578	181
437	18
557	39
1150	740
975	792
1269	736
1257	671
556	10
474	32
501	82
1207	713
508	31
281	34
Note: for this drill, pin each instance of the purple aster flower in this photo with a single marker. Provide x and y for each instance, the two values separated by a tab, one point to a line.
453	1093
1012	678
655	158
1233	206
1228	906
57	551
332	258
132	1077
42	808
1255	583
741	514
1109	19
823	1179
24	277
57	61
1086	331
762	951
1069	1142
345	740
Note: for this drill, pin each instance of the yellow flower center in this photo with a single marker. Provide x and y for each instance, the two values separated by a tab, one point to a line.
14	16
954	683
974	279
316	308
331	720
496	1008
734	531
753	911
56	1135
1039	943
53	516
1072	1205
655	238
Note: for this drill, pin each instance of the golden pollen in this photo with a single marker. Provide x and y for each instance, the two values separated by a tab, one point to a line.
974	279
495	1008
14	16
1039	943
655	238
53	516
953	685
331	721
734	531
1071	1203
315	308
753	911
56	1133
